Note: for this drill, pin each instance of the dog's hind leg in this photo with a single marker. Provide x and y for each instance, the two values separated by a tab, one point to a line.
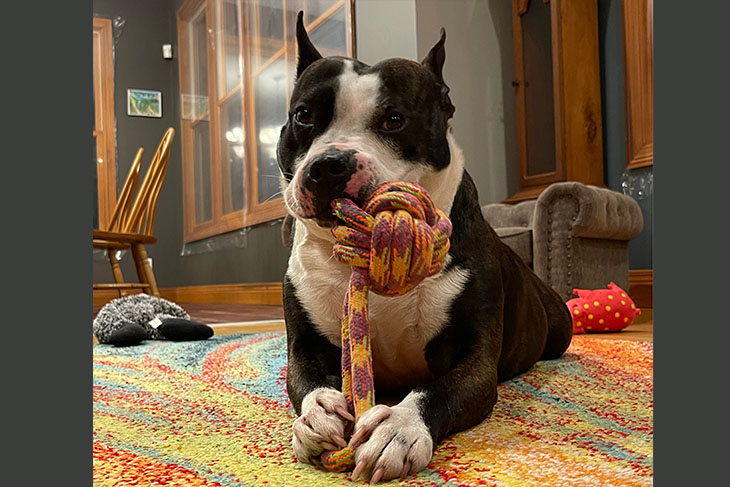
560	324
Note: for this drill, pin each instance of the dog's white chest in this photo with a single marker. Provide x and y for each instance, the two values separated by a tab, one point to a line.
400	326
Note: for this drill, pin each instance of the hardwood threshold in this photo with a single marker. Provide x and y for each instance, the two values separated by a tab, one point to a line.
248	327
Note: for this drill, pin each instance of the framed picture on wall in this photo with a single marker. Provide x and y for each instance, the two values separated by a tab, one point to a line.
144	103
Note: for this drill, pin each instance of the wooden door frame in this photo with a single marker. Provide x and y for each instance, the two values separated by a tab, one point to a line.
638	17
104	130
542	180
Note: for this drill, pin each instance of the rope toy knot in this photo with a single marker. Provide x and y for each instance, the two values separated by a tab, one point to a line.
396	240
399	236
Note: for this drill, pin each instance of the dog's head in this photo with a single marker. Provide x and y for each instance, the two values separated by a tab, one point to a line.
352	127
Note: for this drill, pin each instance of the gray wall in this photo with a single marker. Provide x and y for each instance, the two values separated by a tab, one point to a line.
610	36
478	70
385	29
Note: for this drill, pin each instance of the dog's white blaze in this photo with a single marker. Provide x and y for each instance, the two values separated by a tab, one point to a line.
356	100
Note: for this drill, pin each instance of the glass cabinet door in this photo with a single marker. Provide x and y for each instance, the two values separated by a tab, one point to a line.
237	69
200	123
232	132
538	89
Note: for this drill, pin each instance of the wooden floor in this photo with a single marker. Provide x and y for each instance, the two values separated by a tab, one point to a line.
642	329
227	319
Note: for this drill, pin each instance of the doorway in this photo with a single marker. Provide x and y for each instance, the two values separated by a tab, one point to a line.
103	133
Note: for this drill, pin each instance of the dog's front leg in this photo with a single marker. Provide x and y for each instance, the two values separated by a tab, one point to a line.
313	382
399	440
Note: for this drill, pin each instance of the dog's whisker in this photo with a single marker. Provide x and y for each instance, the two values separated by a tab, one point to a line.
275	195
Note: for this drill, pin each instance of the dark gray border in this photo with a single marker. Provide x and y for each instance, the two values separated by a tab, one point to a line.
691	293
46	191
48	266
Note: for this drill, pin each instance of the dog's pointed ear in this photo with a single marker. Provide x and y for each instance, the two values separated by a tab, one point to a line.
435	58
434	62
307	52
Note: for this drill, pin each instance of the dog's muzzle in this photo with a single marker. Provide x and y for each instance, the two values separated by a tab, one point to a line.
331	174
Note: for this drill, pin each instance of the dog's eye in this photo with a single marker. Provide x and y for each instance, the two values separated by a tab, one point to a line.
392	122
303	117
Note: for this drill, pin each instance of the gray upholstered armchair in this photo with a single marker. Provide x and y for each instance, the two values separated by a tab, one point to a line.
573	235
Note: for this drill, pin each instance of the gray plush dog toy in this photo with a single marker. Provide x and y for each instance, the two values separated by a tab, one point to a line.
131	319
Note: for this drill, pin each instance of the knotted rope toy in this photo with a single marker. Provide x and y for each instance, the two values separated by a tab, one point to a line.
396	240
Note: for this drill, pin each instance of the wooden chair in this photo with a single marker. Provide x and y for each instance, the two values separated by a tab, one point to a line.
131	225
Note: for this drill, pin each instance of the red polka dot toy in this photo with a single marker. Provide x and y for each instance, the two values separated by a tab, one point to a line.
600	310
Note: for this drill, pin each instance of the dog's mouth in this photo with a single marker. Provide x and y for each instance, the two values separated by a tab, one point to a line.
331	174
318	208
324	215
325	223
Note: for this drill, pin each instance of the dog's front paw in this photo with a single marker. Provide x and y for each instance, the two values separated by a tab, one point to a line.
321	424
394	442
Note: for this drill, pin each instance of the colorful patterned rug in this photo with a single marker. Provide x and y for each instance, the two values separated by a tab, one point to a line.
216	413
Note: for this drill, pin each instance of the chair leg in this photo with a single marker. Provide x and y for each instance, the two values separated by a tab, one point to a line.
116	269
138	265
144	269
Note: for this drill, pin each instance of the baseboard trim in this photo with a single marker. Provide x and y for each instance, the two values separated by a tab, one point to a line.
641	287
103	296
268	293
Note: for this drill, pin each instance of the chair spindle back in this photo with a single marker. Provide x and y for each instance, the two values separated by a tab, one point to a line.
124	201
141	218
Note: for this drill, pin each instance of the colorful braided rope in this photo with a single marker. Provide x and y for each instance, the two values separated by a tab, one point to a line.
397	239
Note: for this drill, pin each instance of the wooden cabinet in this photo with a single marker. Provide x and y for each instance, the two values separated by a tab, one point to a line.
639	81
557	94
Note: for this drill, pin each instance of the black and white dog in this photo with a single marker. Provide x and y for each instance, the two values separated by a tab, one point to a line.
444	346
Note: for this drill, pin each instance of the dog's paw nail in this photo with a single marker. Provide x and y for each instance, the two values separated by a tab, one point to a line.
358	470
344	413
340	441
328	446
357	438
377	475
406	469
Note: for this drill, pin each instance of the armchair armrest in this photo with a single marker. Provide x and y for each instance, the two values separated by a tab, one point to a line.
500	215
580	236
593	212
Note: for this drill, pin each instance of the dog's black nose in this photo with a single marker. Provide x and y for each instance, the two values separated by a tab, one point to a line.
326	179
330	171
